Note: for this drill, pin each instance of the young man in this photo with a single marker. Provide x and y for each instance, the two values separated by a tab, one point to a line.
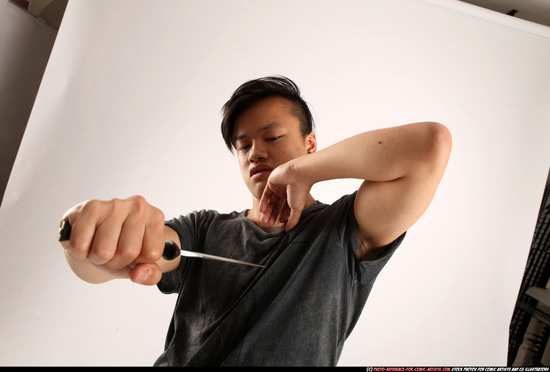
320	261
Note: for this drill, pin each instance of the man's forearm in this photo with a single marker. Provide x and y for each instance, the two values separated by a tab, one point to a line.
379	155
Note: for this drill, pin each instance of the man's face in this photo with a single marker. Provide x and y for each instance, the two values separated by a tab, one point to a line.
268	135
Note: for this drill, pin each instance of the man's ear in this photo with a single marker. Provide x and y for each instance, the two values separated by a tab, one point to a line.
311	143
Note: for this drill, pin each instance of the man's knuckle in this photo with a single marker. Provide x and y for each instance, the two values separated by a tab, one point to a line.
151	255
78	247
102	253
139	205
128	254
91	206
116	207
138	199
156	216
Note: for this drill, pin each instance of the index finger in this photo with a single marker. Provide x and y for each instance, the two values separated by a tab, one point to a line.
77	236
265	199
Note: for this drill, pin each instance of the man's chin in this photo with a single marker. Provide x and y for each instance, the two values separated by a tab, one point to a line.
257	189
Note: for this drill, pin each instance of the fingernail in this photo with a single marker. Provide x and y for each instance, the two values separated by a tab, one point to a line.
143	275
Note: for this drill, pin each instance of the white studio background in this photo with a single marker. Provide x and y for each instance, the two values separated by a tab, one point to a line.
130	104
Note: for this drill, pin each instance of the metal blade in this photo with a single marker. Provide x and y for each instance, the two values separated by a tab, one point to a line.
216	258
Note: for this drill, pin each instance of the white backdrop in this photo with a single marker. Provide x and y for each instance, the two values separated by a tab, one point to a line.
130	104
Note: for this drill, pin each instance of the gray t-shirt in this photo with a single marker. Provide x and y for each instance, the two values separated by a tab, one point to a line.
296	311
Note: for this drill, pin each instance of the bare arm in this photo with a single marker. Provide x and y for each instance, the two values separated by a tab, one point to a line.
118	239
402	167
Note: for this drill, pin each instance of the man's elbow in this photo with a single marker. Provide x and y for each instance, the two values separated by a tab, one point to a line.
440	143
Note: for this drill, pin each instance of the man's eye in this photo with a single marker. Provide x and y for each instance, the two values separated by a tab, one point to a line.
273	138
244	147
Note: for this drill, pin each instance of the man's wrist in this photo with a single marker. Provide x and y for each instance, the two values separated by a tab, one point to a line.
303	169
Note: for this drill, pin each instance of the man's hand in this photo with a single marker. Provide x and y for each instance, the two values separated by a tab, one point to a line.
115	239
285	196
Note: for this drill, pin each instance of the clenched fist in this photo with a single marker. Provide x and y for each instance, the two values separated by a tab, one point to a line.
117	239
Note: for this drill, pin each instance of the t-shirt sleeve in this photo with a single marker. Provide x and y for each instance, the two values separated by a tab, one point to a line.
171	281
366	270
186	228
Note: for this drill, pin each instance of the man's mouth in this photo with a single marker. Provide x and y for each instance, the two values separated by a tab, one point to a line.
257	170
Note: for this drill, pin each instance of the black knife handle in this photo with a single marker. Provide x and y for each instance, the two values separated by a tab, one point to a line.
64	231
171	250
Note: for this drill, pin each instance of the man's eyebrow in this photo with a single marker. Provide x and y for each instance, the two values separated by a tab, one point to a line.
262	129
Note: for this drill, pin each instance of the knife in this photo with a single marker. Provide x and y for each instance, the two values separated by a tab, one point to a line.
171	249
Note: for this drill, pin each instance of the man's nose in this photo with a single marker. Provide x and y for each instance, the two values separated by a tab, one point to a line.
257	152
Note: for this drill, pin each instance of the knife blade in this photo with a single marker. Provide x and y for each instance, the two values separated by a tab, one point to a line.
171	252
171	249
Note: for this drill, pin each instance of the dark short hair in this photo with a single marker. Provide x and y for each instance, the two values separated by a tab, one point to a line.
256	90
